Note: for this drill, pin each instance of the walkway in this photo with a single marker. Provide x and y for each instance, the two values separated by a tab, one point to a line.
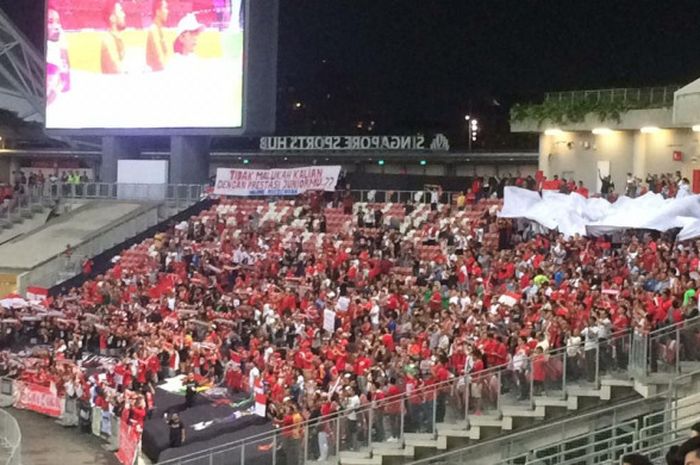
31	249
46	443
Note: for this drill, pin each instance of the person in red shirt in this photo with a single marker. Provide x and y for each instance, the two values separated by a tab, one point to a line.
477	381
138	413
582	190
87	267
441	375
388	340
393	410
538	371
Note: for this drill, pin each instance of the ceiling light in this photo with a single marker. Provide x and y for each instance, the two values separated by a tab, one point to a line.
602	131
650	129
553	132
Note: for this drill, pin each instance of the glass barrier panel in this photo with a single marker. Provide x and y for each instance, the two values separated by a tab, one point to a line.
320	441
354	429
394	412
198	460
688	345
553	383
435	405
484	392
662	351
451	404
280	448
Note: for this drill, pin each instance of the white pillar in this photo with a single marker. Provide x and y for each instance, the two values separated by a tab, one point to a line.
639	155
545	149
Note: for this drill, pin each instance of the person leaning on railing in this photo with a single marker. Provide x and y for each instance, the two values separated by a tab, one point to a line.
292	434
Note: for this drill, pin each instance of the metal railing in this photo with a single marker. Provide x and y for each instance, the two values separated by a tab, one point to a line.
608	444
195	192
388	196
11	440
382	196
451	405
19	206
608	433
180	193
454	404
645	97
665	351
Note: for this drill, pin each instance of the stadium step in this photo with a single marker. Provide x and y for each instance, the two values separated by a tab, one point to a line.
361	457
426	440
513	414
381	450
376	460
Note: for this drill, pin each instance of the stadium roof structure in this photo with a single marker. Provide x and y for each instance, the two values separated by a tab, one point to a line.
21	73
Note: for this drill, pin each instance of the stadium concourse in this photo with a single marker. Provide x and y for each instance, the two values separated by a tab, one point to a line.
265	313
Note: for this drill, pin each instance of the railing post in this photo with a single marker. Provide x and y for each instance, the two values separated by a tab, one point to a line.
369	426
433	429
563	375
597	365
402	418
466	399
678	350
274	449
498	394
646	341
337	439
305	443
243	454
532	388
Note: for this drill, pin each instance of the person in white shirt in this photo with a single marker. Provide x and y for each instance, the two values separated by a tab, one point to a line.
352	403
374	313
605	330
252	376
573	355
343	303
590	333
520	363
683	188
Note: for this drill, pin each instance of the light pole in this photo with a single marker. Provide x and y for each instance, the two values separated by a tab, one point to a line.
472	129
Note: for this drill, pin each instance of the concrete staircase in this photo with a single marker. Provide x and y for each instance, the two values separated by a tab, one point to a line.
514	415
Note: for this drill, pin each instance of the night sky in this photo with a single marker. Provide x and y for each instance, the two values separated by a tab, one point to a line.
413	65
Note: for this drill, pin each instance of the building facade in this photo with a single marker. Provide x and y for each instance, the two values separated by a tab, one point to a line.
642	134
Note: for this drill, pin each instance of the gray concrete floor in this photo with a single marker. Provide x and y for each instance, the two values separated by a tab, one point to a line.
46	443
29	250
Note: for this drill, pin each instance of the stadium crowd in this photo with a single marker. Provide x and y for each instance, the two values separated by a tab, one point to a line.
240	293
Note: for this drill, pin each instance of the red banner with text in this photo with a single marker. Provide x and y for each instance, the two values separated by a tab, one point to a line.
129	437
38	398
284	181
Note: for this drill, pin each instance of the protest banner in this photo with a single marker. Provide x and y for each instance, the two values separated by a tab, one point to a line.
329	320
38	398
286	181
129	438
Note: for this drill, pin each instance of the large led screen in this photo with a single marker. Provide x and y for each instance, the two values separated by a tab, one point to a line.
149	64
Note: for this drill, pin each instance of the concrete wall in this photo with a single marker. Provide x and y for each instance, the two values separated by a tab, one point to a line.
56	269
5	171
431	169
627	151
631	120
545	435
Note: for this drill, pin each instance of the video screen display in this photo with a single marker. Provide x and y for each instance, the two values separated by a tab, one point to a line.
144	64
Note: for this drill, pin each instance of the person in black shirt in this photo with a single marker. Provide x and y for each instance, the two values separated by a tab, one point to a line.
190	391
177	431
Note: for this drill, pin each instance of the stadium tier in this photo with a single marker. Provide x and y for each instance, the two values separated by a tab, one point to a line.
356	331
